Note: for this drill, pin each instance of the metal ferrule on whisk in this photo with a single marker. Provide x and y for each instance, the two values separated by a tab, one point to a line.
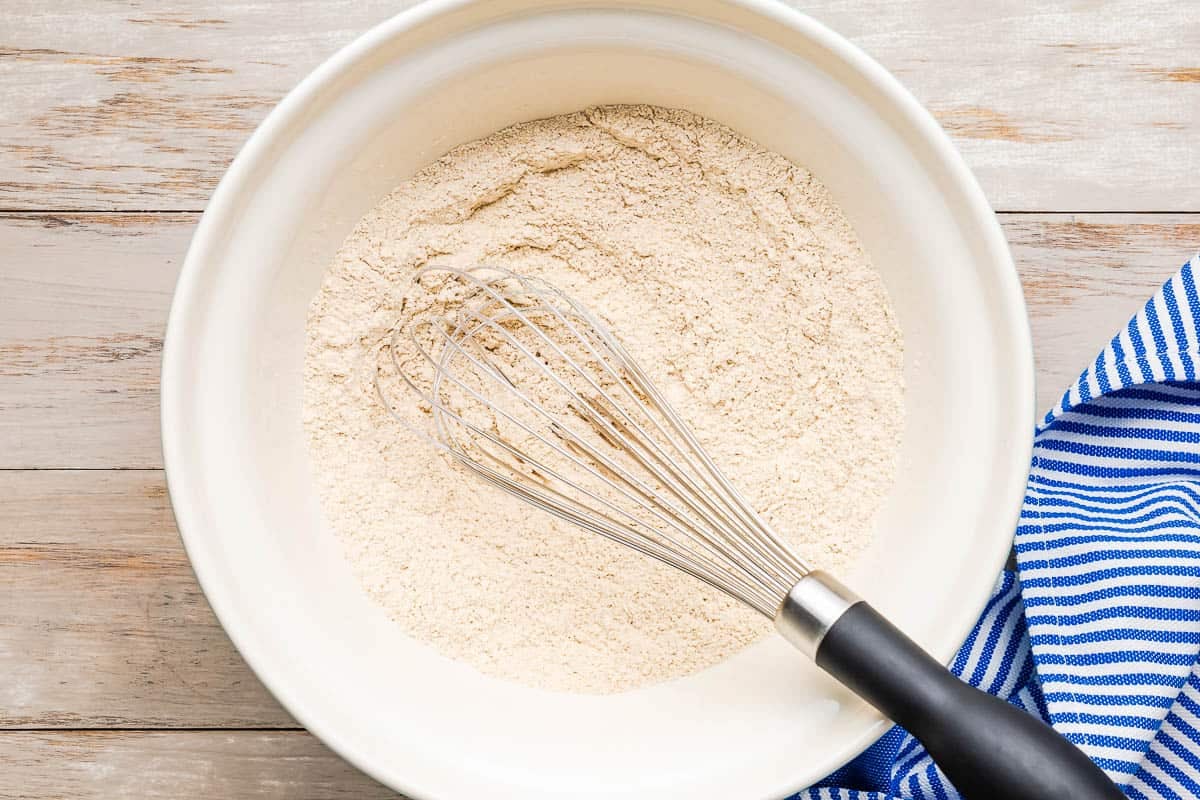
810	609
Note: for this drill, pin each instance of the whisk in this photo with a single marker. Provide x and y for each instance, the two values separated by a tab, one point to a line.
529	390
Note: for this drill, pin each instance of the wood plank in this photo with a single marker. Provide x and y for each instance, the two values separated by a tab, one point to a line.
86	298
103	624
82	316
106	764
1058	105
1085	276
106	104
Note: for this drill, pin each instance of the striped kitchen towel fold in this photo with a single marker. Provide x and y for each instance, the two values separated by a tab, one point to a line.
1098	631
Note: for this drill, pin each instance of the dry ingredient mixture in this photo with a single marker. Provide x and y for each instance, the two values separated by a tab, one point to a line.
733	278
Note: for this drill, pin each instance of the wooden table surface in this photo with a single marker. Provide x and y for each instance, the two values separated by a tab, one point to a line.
1081	119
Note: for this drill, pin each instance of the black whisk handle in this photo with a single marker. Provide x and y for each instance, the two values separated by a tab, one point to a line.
988	748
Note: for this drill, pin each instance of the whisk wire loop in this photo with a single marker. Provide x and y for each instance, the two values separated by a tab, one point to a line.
743	519
674	517
527	388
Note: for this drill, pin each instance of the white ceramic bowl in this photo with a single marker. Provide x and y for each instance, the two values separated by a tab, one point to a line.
761	725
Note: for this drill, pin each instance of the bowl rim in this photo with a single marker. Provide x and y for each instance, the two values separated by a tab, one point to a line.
275	128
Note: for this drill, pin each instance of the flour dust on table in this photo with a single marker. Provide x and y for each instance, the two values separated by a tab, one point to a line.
730	274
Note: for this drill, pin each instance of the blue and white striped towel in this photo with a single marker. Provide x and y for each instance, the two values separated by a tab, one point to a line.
1098	630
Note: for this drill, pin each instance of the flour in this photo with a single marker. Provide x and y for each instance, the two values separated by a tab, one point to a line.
731	276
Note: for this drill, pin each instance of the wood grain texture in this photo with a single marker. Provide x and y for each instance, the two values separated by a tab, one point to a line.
82	313
82	319
138	106
1057	105
141	105
109	765
102	623
1084	276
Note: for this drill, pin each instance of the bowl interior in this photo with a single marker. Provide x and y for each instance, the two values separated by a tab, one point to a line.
765	722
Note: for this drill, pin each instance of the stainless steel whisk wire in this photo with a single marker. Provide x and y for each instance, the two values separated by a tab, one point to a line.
628	468
717	536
